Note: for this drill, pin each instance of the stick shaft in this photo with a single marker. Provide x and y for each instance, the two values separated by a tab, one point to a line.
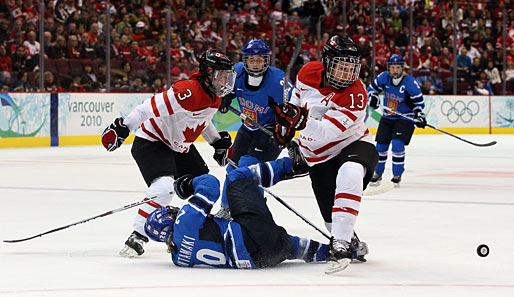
287	73
252	122
281	201
110	212
440	130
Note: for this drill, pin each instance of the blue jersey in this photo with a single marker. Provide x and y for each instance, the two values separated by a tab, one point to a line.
254	100
202	240
402	98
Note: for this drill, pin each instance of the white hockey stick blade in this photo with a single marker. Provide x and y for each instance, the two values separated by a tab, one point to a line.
384	186
336	266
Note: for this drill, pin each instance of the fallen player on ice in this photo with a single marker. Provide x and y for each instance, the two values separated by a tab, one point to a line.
251	239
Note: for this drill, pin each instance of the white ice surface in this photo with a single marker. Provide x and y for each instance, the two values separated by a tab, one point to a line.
422	236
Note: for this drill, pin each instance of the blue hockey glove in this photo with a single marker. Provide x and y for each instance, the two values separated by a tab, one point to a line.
114	135
419	116
374	100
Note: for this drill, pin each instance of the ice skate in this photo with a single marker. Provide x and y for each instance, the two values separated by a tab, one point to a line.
134	245
223	213
360	249
340	255
375	180
396	181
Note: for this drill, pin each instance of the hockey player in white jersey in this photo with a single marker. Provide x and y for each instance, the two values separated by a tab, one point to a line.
328	105
167	125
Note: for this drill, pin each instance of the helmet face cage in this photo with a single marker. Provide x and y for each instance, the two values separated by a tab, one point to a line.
341	72
252	51
159	224
254	59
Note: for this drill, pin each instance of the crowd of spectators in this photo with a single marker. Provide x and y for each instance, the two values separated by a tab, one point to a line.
75	40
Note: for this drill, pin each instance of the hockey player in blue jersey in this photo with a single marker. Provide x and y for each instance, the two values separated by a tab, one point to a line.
251	240
401	94
256	83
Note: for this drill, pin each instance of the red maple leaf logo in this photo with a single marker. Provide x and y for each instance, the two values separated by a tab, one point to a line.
192	134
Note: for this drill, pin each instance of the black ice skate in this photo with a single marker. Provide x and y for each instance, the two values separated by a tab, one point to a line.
375	180
360	248
340	255
396	181
134	245
300	167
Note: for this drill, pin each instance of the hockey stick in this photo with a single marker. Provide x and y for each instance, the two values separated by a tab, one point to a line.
252	122
110	212
298	47
442	131
287	206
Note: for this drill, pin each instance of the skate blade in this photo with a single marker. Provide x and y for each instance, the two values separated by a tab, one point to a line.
336	266
384	187
374	184
128	252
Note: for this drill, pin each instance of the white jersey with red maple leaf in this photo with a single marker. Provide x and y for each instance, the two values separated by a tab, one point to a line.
336	117
177	116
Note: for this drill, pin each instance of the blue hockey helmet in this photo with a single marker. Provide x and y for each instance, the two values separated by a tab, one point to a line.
159	224
253	66
395	59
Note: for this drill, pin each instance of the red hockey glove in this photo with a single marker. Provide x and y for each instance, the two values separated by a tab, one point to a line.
114	135
283	135
289	115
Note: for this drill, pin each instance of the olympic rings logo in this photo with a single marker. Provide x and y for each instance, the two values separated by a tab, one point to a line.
460	110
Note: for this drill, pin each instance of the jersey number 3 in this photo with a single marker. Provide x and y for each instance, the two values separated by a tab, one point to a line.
357	103
184	96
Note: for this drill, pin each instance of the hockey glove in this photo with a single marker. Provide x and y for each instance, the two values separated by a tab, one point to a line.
289	115
226	101
283	135
222	148
374	100
419	116
300	167
114	135
184	186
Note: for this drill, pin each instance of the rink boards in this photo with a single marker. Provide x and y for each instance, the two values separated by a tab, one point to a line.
61	119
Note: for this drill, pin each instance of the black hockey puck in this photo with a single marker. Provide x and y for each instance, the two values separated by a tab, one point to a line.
483	250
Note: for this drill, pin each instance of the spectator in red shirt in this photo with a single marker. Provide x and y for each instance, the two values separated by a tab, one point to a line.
125	48
139	33
176	53
5	60
93	33
445	60
361	37
428	60
73	47
382	52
